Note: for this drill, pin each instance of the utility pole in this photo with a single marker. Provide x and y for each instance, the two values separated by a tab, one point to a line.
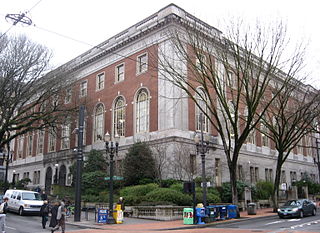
77	210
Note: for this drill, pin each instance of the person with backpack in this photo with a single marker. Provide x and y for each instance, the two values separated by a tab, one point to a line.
60	218
3	213
44	213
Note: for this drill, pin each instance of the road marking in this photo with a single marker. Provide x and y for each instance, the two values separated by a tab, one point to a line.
294	220
11	228
274	222
304	224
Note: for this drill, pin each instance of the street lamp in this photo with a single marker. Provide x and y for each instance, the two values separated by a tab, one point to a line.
202	145
111	149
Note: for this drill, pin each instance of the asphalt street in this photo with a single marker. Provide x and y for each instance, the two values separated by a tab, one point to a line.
310	223
29	224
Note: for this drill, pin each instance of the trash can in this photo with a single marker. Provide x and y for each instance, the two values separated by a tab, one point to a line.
102	215
187	216
232	211
223	212
200	213
251	209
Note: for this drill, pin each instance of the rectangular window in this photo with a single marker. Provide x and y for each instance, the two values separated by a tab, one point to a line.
231	79
193	163
65	137
83	88
40	142
240	173
256	174
52	141
100	81
119	73
218	172
30	145
252	181
67	98
142	63
283	178
264	138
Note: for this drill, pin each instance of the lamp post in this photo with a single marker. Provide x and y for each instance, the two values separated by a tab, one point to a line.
202	146
111	149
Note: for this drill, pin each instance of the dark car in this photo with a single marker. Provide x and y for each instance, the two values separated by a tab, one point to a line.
297	208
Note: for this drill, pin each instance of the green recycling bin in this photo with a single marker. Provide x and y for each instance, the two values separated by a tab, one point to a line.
187	216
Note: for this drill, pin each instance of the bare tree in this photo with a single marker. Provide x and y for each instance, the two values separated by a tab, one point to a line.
292	116
228	76
161	159
29	100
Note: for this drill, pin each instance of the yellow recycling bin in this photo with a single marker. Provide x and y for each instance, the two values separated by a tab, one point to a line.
118	214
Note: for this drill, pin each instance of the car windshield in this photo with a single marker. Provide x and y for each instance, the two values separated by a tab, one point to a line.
31	196
292	203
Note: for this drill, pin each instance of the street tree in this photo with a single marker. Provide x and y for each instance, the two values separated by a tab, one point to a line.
30	96
290	122
227	76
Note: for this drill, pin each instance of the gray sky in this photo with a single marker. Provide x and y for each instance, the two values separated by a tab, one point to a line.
95	21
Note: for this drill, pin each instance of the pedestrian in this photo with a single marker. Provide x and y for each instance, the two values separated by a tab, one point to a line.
54	212
44	213
60	218
3	213
37	189
44	196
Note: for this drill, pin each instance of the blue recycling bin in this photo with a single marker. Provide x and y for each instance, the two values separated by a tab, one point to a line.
102	215
232	211
200	213
212	213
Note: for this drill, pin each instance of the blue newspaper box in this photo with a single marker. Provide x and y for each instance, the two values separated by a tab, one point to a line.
200	213
232	211
102	215
223	212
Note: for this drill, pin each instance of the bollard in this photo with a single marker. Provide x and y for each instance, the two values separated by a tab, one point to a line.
86	214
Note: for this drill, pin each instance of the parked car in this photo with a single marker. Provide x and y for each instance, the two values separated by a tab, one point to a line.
297	208
23	201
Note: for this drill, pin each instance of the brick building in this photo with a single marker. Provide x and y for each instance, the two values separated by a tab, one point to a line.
126	95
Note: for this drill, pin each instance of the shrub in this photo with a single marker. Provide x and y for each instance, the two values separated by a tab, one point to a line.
263	190
225	191
167	183
177	186
168	195
138	190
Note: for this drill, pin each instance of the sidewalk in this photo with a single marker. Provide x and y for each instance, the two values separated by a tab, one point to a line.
144	225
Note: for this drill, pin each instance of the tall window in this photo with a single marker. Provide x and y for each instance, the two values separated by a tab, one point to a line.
268	175
240	173
98	123
20	146
83	88
67	98
51	140
100	81
40	142
65	136
142	63
142	112
119	117
119	73
30	144
264	138
201	99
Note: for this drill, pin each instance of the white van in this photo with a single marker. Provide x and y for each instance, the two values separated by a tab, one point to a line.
23	201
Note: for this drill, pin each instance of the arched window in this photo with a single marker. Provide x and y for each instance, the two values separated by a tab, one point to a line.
119	113
98	123
142	111
201	99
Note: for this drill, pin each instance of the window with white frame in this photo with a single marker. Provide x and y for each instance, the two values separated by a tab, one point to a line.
51	140
201	108
300	147
264	138
30	144
83	88
67	98
119	73
40	142
20	146
200	62
98	123
142	63
65	136
119	117
231	79
142	111
100	81
36	177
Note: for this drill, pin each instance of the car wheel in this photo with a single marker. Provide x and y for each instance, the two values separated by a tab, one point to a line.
314	212
301	215
21	211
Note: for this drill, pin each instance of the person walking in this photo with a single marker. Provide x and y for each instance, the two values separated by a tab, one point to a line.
44	196
53	221
60	218
3	214
44	213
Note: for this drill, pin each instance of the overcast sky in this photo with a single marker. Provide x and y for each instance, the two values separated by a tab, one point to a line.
94	21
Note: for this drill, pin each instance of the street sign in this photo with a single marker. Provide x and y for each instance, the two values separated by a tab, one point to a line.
114	178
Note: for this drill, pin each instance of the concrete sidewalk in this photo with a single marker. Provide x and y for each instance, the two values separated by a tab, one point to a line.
144	225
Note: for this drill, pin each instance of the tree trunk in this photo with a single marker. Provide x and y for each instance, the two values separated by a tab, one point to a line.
275	192
233	182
